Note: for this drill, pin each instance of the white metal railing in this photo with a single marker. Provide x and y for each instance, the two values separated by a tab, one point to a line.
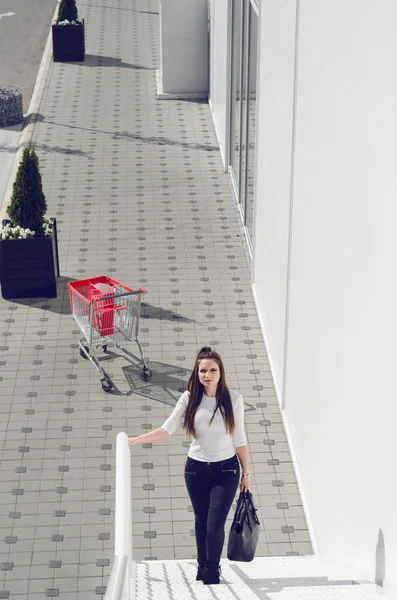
121	585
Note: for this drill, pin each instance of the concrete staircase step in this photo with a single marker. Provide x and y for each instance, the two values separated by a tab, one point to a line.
276	578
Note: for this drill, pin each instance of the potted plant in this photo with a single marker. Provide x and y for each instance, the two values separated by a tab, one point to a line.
28	242
68	34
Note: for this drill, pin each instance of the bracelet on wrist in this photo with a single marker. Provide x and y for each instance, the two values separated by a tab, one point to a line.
245	475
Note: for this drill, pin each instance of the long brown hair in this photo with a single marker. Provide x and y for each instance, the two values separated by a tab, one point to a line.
196	390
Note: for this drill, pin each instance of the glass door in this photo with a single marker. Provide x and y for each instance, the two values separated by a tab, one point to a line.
235	105
243	107
251	121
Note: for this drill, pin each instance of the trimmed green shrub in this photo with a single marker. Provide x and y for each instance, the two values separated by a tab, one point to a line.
28	205
67	11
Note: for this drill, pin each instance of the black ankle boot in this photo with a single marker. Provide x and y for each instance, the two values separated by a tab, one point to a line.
211	574
200	570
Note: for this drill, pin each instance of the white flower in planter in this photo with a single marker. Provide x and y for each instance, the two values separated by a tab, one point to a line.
47	226
66	22
9	232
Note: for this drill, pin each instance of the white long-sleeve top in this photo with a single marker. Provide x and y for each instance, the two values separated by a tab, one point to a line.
212	442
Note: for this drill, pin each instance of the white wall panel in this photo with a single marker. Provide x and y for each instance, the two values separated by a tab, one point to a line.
219	70
184	46
274	142
356	44
342	378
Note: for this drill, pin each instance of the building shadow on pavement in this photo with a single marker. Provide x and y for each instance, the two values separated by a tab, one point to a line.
62	150
134	10
253	586
59	305
125	135
97	60
162	141
261	587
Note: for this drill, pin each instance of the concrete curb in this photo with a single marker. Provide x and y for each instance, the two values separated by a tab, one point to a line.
30	119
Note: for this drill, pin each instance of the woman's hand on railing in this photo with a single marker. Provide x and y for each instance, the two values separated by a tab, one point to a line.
156	435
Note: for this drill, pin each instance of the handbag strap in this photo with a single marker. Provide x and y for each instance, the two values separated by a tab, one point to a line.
241	509
250	501
244	512
245	509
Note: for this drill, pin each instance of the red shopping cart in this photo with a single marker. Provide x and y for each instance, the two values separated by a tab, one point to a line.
107	311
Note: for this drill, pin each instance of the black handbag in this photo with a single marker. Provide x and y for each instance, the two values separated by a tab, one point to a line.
244	532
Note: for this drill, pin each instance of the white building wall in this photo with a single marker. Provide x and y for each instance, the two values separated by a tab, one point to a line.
341	380
274	145
342	353
341	375
219	71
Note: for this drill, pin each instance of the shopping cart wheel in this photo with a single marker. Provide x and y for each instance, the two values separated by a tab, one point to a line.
82	354
146	374
107	384
105	347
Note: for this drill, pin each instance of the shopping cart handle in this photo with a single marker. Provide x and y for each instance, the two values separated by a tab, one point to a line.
112	296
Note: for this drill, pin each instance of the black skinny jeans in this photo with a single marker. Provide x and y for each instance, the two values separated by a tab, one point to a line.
212	488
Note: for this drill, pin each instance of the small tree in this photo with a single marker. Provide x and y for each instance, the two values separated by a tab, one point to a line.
28	205
67	11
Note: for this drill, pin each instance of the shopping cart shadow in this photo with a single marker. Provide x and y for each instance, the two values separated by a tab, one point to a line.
162	314
166	384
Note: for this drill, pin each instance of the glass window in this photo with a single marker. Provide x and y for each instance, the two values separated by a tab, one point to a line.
235	121
243	106
251	121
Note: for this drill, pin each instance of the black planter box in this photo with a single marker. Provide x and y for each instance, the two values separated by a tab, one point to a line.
68	43
29	268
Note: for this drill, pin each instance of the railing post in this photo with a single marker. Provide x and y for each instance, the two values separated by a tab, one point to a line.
128	529
131	569
123	531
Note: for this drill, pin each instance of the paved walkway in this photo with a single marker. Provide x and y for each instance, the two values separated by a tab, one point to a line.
139	191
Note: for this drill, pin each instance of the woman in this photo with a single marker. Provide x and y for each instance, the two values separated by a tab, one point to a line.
213	417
